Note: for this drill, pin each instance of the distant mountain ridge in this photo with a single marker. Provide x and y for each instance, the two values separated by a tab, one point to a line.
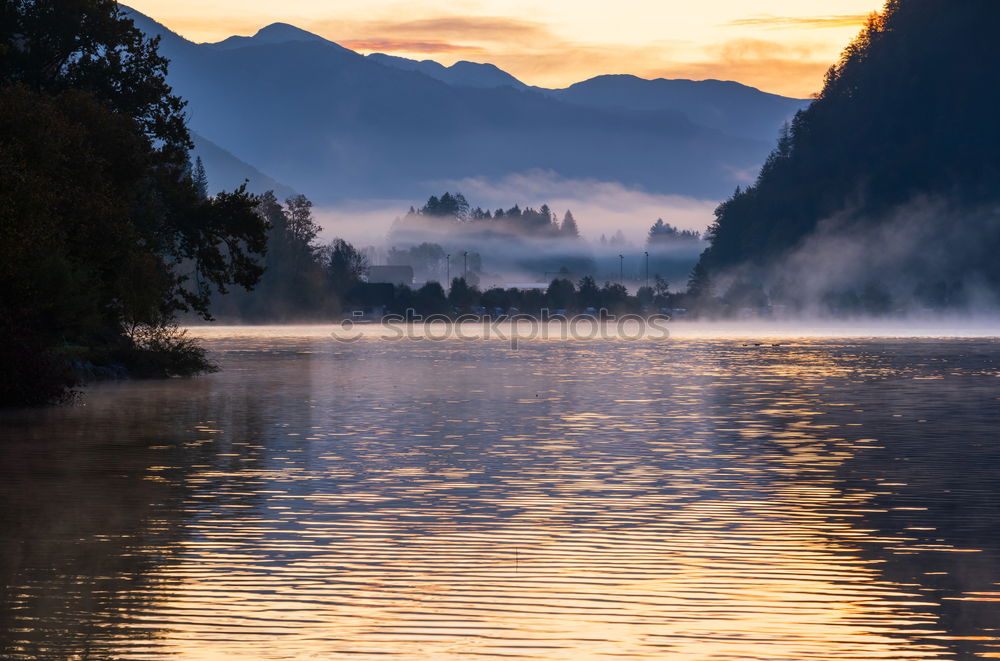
334	124
706	102
226	172
276	33
465	73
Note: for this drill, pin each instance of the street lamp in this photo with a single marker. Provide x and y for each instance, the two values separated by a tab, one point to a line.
448	271
465	255
647	269
621	269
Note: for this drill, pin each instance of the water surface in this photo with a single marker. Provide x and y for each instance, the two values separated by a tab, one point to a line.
702	498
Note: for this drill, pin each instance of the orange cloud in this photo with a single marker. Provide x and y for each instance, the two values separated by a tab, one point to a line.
464	29
794	70
536	54
403	46
808	22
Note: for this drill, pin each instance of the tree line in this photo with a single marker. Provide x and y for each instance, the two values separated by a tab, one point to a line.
562	296
528	222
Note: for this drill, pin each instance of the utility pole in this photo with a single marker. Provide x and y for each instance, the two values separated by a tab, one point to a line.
448	276
621	269
647	269
465	255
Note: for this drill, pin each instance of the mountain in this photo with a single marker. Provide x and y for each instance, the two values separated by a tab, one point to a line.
336	125
226	172
276	33
723	105
727	106
468	74
885	187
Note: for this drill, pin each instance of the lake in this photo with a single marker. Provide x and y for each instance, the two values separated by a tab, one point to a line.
704	497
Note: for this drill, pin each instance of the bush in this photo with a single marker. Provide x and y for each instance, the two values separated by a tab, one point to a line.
164	351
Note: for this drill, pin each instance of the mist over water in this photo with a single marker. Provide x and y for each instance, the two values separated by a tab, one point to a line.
706	497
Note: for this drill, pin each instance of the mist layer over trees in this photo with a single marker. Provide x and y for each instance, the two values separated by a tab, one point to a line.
486	262
528	244
881	196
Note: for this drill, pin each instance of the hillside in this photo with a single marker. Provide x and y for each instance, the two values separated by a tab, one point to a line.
887	181
226	172
722	105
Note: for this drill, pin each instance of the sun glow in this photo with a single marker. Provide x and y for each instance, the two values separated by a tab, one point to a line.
777	45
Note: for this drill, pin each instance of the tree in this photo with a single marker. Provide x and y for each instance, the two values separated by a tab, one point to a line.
103	230
614	296
301	227
903	118
447	206
430	299
661	234
495	298
560	294
345	267
294	284
462	296
569	228
661	288
199	178
588	293
52	46
700	283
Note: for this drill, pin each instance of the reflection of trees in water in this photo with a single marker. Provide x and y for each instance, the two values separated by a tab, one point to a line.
933	487
916	481
92	505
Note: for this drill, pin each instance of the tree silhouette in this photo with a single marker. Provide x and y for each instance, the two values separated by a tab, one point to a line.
199	178
903	116
346	267
569	228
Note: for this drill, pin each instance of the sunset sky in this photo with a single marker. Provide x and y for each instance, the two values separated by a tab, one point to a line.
781	46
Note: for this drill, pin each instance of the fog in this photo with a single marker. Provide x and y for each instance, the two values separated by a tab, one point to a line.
924	255
754	333
621	215
601	207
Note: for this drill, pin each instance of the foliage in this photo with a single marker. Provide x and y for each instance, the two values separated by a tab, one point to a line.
345	266
102	227
431	299
560	294
164	350
528	222
569	228
662	234
447	206
200	178
907	113
462	296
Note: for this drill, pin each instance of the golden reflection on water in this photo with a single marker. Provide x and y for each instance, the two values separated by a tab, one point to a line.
691	500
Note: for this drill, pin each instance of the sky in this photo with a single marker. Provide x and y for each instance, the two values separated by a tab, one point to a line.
780	46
